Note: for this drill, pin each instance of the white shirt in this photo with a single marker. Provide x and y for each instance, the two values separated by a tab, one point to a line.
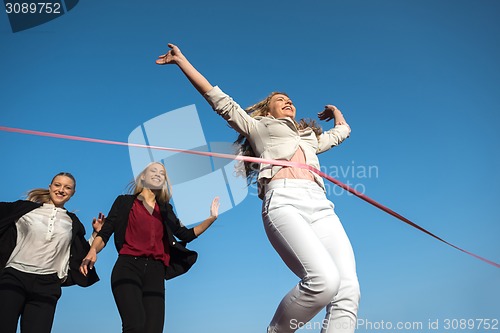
43	242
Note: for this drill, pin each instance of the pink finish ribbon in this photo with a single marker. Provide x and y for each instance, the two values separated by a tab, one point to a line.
256	160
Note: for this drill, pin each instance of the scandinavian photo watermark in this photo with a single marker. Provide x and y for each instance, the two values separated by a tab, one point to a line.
454	324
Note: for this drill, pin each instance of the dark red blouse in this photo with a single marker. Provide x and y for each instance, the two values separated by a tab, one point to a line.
144	236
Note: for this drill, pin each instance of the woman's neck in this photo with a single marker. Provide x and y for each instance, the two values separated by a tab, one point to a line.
51	203
148	198
148	195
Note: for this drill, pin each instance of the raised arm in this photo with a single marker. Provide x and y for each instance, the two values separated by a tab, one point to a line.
336	135
175	56
224	105
214	213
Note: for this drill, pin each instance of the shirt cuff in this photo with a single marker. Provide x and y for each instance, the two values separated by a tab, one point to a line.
91	238
214	95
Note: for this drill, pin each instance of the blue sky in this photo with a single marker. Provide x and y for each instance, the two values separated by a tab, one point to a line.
418	81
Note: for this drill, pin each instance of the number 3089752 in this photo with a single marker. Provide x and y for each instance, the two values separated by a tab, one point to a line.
33	8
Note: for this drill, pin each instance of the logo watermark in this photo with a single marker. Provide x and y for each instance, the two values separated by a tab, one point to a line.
353	175
359	324
195	179
431	324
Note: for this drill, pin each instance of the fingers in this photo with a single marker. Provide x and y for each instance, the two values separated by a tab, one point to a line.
328	113
86	265
98	222
215	207
216	203
83	267
324	115
171	57
100	218
330	107
161	61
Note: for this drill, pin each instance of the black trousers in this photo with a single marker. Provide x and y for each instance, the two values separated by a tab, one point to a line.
32	297
139	291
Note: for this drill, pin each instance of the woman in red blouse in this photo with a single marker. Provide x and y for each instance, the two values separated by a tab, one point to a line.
144	225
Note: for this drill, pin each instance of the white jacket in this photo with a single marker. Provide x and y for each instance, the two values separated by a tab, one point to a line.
273	138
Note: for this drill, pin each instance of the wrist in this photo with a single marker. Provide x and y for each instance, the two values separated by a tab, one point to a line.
181	61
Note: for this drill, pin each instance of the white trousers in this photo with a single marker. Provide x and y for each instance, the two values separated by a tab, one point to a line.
303	228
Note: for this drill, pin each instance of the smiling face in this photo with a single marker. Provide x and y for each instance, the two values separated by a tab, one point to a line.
61	190
281	106
154	176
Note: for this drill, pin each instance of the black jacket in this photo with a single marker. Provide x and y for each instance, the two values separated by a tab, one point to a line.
10	212
181	259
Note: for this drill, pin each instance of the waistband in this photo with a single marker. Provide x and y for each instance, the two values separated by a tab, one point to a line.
140	258
293	183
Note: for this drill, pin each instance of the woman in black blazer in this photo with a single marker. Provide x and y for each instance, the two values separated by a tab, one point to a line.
144	226
41	247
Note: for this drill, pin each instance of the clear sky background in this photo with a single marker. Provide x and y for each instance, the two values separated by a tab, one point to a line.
417	80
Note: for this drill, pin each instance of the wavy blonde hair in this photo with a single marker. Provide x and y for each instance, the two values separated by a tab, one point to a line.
261	109
162	195
42	195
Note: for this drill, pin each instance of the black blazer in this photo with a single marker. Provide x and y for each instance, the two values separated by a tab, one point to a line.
10	212
181	259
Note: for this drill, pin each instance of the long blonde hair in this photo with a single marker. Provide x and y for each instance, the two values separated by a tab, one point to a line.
261	109
42	195
162	195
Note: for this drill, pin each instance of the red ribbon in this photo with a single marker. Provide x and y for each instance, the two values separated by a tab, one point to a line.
256	160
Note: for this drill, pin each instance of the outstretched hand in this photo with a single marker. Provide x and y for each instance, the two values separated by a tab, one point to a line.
214	208
332	112
214	213
171	57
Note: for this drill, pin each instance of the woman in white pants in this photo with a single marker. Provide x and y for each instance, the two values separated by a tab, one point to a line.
299	220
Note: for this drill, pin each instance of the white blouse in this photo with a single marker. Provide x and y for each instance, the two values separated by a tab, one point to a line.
43	242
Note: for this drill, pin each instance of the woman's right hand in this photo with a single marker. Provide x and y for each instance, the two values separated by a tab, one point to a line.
332	112
173	56
88	262
98	222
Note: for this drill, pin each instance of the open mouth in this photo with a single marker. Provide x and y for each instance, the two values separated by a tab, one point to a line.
60	196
